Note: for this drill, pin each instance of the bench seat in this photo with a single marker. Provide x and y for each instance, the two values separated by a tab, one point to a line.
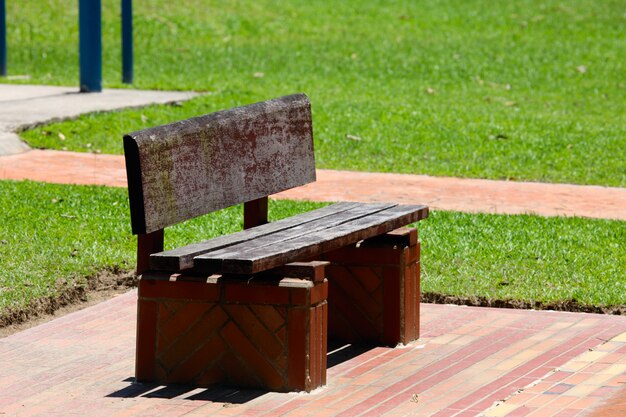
289	240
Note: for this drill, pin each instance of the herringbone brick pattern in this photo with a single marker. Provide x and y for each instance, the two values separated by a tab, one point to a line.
232	332
207	343
81	364
373	294
356	305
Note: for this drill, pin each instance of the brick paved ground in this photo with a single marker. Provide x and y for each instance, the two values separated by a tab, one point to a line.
469	361
468	358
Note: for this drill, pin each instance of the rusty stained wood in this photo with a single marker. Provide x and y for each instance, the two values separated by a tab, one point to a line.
296	230
189	168
252	259
313	270
182	258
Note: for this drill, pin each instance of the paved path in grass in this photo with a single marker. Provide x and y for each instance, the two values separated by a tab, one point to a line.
439	193
469	360
26	105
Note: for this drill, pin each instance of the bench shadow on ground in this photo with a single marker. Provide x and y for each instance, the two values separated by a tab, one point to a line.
338	353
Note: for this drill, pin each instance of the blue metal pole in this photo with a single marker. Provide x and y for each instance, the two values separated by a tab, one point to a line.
3	40
90	45
127	41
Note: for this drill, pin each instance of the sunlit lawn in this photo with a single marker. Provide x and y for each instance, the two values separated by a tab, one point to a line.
526	90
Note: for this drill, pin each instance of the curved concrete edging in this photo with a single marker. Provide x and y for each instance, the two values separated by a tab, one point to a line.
24	106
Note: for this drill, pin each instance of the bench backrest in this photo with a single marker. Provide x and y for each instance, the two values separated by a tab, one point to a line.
189	168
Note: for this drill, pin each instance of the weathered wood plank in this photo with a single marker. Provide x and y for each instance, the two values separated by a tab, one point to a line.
182	258
196	166
257	259
297	230
313	270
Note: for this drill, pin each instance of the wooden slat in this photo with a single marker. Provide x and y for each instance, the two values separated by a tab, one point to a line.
182	258
313	270
196	166
296	231
256	260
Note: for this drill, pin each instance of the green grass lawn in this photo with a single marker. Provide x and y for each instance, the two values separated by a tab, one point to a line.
525	90
57	236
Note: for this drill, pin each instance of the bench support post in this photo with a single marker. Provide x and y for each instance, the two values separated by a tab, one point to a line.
255	213
148	244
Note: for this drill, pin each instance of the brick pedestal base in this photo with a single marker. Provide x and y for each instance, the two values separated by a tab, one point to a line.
245	333
272	334
374	290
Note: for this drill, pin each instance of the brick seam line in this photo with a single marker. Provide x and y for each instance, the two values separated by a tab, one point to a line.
439	193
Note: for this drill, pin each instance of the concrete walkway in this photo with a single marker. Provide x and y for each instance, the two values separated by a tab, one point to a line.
469	361
23	106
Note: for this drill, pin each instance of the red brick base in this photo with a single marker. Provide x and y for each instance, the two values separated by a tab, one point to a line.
374	290
246	333
272	334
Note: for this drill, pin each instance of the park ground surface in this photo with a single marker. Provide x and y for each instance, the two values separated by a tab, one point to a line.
527	92
468	360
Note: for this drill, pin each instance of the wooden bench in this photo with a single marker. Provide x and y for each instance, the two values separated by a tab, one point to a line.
255	308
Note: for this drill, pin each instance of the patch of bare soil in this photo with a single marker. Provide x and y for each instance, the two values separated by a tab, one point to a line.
70	298
570	305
